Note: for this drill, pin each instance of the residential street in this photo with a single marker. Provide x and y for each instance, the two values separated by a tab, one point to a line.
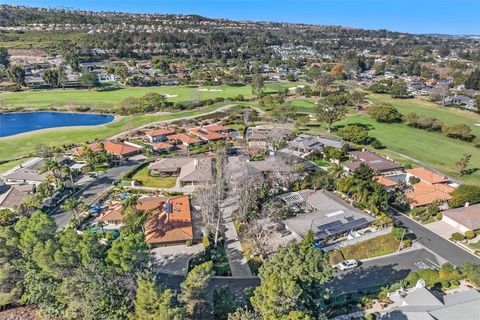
92	189
382	271
372	273
434	242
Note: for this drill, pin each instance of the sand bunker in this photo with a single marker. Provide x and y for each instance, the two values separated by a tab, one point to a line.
210	90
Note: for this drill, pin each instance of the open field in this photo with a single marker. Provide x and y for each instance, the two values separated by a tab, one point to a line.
58	98
146	180
431	148
23	144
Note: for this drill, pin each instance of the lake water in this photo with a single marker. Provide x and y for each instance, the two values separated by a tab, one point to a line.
20	122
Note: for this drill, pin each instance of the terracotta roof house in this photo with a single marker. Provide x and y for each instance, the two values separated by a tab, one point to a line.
157	135
431	187
171	223
11	196
162	147
390	181
207	135
190	171
121	149
464	219
376	162
113	214
218	128
183	138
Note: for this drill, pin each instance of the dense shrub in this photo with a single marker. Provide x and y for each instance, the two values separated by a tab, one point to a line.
354	133
411	279
376	144
422	122
470	235
463	194
459	131
385	113
429	275
457	236
397	232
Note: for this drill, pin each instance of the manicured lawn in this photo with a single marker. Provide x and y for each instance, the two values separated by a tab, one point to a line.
303	105
25	144
374	247
10	165
146	180
58	98
434	149
107	99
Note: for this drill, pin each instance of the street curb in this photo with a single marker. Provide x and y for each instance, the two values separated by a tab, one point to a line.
423	226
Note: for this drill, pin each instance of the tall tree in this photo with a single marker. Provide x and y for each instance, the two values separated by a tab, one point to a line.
257	84
16	74
330	110
89	80
293	279
153	302
4	57
193	290
129	252
51	77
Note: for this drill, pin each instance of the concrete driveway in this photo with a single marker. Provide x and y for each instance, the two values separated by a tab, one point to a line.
441	228
174	259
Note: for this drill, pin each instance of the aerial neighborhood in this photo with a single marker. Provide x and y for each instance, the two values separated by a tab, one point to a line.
167	166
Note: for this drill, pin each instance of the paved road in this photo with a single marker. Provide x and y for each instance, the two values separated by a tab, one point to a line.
432	241
372	273
92	189
382	271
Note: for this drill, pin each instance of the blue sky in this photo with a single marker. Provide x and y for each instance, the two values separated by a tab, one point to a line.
415	16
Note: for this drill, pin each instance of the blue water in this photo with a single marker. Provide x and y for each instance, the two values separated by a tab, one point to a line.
15	123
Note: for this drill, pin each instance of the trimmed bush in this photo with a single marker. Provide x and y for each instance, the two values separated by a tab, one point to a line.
206	242
429	275
445	284
457	236
470	235
411	279
407	243
439	216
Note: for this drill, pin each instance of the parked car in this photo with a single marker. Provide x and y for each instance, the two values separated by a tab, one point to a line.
347	265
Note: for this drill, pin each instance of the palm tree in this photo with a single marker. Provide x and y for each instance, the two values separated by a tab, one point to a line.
75	206
67	171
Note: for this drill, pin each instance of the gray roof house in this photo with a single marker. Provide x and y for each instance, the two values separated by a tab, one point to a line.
240	165
190	171
422	304
12	196
305	143
28	173
328	216
464	218
375	161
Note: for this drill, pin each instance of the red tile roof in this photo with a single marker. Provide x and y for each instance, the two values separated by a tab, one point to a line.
185	138
424	194
162	146
119	148
384	181
217	128
426	175
160	132
169	227
206	134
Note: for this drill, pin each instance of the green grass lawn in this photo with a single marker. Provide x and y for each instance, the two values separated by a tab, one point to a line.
434	149
24	144
374	247
58	98
146	180
304	105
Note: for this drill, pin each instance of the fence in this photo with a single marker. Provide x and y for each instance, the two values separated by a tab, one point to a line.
367	236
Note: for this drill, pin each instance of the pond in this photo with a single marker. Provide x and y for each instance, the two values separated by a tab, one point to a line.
20	122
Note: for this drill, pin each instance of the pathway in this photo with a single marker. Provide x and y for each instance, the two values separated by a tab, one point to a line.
236	258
